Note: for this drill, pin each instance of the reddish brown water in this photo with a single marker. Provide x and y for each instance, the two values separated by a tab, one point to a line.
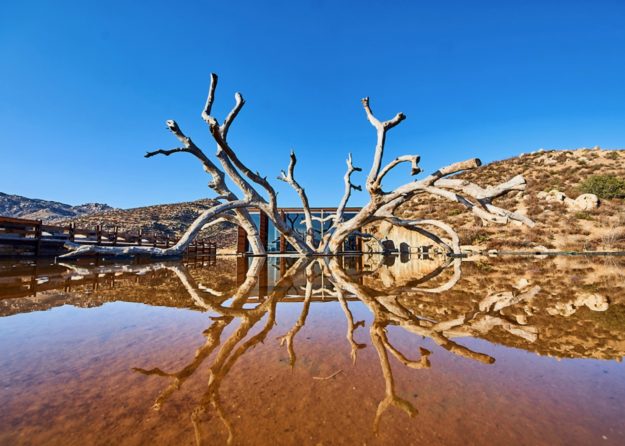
67	356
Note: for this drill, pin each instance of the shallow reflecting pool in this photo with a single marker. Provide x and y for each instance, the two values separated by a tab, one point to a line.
345	350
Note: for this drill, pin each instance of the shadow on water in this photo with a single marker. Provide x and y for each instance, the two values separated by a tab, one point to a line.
562	307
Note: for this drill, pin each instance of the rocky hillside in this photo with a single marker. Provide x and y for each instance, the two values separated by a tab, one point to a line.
566	217
163	219
48	211
555	179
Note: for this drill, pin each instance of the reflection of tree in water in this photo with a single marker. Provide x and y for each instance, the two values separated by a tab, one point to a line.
328	278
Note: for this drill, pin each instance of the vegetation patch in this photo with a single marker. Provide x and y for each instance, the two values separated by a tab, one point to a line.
583	215
612	319
604	186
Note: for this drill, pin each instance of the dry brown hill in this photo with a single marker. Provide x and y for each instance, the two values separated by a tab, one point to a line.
557	225
163	219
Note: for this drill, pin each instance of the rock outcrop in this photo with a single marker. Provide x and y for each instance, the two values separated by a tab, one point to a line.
584	202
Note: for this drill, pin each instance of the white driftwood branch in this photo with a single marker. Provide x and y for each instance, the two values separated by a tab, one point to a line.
347	180
381	205
233	165
217	183
412	159
289	178
225	126
381	129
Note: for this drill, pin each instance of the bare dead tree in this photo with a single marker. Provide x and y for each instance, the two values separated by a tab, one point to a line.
381	206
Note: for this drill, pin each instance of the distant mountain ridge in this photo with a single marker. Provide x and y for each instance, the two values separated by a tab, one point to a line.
162	219
48	211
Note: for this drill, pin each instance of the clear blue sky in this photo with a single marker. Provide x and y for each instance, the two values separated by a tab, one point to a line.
87	85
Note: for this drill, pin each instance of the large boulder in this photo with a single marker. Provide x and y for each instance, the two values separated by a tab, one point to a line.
586	202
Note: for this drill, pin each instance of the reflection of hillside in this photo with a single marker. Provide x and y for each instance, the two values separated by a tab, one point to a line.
509	311
27	287
563	307
578	310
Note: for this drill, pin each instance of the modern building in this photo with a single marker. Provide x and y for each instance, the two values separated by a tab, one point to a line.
294	218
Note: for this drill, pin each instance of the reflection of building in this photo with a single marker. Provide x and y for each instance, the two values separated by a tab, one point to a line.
294	218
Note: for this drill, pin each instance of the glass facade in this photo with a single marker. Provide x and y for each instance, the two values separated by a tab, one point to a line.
295	220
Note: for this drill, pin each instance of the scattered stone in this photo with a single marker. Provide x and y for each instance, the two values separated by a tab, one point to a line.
585	202
522	283
594	302
521	319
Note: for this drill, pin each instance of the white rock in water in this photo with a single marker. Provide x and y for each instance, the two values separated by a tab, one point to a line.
596	302
563	309
521	319
522	283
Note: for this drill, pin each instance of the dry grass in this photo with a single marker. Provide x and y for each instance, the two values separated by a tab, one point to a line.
556	226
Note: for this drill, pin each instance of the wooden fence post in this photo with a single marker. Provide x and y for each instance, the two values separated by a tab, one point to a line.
38	237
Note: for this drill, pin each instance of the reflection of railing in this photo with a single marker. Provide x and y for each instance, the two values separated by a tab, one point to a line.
29	279
32	237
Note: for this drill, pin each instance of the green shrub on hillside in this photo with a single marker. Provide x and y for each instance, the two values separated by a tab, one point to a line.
604	186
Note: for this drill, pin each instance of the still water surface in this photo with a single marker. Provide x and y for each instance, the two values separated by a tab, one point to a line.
361	350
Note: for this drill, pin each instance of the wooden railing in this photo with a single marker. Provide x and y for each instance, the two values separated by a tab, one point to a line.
32	237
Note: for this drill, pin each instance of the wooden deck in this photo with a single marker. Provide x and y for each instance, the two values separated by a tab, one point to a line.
21	237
